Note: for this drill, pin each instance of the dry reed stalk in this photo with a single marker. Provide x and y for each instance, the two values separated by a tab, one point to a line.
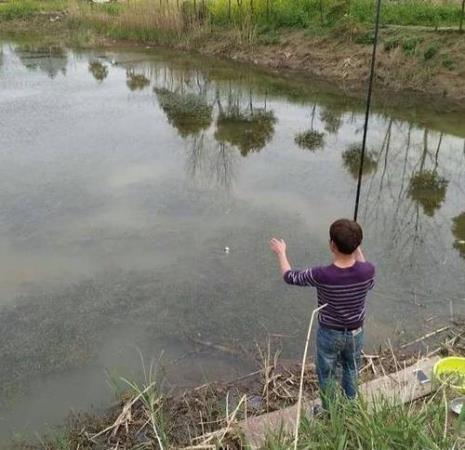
124	413
200	447
143	14
301	386
267	371
243	377
221	434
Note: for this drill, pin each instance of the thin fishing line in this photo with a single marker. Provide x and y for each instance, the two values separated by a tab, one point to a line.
368	107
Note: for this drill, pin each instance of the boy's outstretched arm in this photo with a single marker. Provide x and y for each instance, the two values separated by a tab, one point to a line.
279	248
295	277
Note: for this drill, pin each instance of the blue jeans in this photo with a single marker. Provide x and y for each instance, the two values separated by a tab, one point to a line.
333	347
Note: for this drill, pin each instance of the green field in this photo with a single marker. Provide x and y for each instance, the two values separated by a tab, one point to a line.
266	13
25	9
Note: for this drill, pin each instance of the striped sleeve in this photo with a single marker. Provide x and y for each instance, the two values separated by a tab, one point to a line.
373	273
300	277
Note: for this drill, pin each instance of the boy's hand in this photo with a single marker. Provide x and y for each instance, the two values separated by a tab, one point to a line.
278	246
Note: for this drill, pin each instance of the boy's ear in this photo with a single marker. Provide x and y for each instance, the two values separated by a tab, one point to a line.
332	246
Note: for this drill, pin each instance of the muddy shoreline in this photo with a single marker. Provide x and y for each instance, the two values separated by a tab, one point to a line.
343	63
184	416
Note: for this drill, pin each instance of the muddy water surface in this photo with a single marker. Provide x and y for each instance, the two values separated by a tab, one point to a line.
125	174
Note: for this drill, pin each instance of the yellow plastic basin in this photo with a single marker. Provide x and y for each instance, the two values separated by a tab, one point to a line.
451	371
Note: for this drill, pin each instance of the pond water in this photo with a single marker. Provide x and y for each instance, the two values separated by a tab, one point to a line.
124	176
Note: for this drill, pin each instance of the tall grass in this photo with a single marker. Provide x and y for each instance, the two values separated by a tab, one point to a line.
384	425
25	9
155	20
303	13
144	20
147	19
152	403
18	9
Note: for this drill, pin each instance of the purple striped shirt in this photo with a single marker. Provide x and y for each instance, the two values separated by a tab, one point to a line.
343	290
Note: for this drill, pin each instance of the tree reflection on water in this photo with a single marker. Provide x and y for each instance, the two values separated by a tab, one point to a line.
248	131
189	113
352	158
98	70
50	59
310	139
249	128
331	119
458	230
210	162
136	81
427	187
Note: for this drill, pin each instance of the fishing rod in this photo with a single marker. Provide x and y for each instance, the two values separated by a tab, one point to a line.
357	201
368	107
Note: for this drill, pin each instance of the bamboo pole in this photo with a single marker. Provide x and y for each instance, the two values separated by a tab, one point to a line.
426	336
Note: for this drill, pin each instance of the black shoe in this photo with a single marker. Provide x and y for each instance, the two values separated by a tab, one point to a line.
318	411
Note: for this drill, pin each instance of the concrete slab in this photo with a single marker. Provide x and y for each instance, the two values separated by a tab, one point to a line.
402	386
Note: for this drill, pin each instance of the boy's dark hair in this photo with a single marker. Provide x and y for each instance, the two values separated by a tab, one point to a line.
346	234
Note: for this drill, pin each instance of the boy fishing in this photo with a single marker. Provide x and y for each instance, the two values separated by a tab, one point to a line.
343	287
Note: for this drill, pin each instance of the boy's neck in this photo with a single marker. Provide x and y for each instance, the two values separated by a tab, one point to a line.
343	261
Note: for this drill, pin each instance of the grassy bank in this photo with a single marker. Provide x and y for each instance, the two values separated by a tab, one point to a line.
206	417
329	39
265	13
424	424
149	20
26	9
